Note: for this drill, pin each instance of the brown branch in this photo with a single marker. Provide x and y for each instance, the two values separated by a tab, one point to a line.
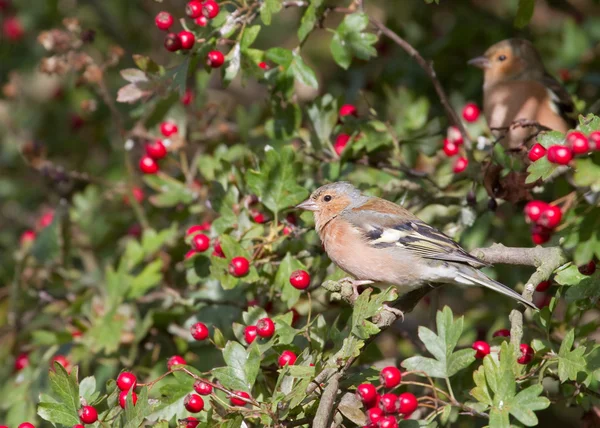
325	411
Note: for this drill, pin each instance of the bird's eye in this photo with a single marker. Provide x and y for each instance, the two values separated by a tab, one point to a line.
327	198
501	57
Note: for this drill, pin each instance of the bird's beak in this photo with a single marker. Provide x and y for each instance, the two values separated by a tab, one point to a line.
480	62
308	205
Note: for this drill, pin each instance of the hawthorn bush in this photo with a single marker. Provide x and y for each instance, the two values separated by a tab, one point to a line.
155	272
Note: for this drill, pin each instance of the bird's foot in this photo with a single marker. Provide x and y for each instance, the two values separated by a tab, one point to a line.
351	285
397	312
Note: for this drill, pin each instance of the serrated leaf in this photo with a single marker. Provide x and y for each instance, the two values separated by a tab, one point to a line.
430	366
350	41
57	414
526	402
148	278
135	414
570	363
540	169
302	72
268	8
309	19
249	36
587	174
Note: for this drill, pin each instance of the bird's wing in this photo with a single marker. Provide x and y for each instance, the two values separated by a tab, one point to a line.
561	99
403	230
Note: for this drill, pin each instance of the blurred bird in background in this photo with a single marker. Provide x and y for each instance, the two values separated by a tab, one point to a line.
519	93
375	240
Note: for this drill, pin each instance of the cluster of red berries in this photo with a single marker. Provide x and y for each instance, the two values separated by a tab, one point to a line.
200	241
342	140
126	382
451	148
265	328
383	408
12	28
201	12
577	143
28	236
482	348
545	219
157	150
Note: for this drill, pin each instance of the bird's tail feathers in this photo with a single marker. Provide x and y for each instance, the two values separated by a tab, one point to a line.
477	277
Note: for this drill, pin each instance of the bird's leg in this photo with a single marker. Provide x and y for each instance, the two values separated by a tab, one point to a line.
395	311
355	283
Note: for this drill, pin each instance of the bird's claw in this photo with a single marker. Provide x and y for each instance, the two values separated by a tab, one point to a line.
354	283
397	312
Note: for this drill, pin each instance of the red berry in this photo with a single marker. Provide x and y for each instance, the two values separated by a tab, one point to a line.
470	112
348	110
46	219
286	230
88	414
193	403
482	348
453	134
533	210
235	399
594	137
198	228
407	403
341	141
375	414
148	165
366	393
239	266
218	251
550	217
156	150
265	327
193	9
389	403
287	358
450	148
588	269
460	165
201	21
74	426
526	354
190	253
62	360
201	242
536	152
560	155
123	398
163	21
27	237
191	422
264	65
199	331
13	29
168	128
300	279
504	332
138	194
187	98
210	9
540	234
187	39
172	42
21	361
26	425
175	360
258	217
126	381
578	142
390	376
250	333
543	286
388	422
203	388
215	59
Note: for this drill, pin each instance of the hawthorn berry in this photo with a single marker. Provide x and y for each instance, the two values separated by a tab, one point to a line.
533	210
27	237
471	112
390	377
388	422
287	358
239	266
540	234
389	403
163	21
62	360
172	42
210	9
202	388
594	137
526	354
193	9
236	398
191	422
366	393
250	333
300	279
201	242
348	110
375	414
26	425
215	59
175	360
460	165
138	195
482	348
504	332
187	97
218	251
199	331
187	39
126	381
201	21
156	150
190	253
560	155
542	286
74	426
407	403
450	148
168	128
46	219
536	152
265	327
12	28
264	65
193	403
550	217
197	228
21	361
588	269
148	165
578	142
258	217
454	135
341	141
88	414
123	398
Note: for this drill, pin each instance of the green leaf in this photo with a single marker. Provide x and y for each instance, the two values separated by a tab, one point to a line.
46	245
146	279
249	36
171	192
481	392
57	414
570	363
587	174
350	41
526	402
323	114
242	366
280	56
580	286
524	13
309	19
172	398
268	8
65	392
430	366
540	169
232	64
135	414
302	72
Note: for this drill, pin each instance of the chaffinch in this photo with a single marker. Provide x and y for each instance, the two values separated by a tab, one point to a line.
375	240
517	87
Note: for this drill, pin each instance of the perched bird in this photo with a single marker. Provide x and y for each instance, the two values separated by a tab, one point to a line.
376	240
518	91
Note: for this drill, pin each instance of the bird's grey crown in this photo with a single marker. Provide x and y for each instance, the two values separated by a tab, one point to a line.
341	188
